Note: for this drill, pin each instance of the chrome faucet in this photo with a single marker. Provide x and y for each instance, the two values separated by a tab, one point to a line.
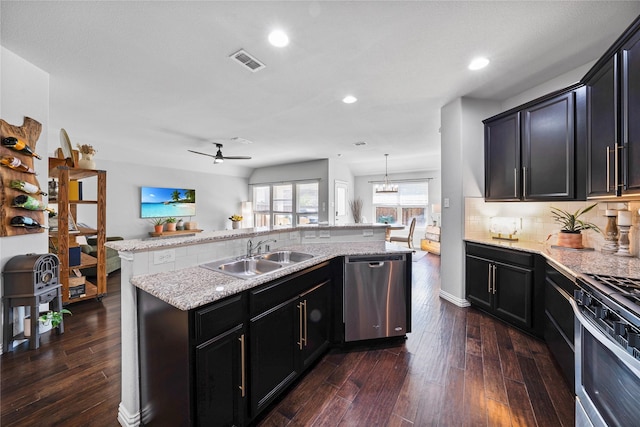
257	247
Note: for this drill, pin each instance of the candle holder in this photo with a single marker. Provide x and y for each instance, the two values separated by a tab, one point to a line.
611	234
623	249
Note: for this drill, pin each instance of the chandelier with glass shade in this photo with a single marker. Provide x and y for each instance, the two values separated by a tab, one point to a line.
385	187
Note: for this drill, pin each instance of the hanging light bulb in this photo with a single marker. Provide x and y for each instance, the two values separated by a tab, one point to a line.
386	187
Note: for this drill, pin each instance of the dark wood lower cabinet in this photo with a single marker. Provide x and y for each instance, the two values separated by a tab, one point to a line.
507	284
220	379
222	364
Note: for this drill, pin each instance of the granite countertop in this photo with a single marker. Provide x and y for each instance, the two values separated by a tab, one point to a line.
575	262
137	245
192	287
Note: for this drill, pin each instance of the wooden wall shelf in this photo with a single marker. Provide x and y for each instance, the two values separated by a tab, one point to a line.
173	233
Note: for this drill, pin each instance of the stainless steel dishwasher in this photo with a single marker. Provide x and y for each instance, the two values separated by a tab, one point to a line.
375	303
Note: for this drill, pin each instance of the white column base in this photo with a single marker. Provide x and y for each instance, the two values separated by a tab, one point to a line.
460	302
127	419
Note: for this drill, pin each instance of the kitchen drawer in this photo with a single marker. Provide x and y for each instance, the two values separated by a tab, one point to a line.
219	317
558	308
494	253
272	294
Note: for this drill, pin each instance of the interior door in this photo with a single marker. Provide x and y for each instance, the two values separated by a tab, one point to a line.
341	203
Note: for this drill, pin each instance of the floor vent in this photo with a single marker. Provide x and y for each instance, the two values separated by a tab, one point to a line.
247	61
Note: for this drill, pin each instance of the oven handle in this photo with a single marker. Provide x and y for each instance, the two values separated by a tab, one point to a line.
603	339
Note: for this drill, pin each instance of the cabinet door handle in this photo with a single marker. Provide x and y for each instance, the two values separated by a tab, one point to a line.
515	182
242	368
616	181
608	169
524	182
305	322
494	278
300	320
489	279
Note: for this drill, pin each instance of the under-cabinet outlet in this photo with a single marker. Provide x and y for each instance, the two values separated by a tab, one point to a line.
367	233
325	234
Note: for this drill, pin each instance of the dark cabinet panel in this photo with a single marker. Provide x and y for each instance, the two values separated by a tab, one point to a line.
479	276
502	158
630	113
317	313
273	338
548	149
513	297
602	131
503	283
220	390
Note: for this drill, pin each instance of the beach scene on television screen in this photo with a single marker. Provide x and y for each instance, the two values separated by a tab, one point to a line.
163	202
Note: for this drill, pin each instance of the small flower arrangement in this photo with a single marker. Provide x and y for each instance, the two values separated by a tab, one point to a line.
87	149
235	218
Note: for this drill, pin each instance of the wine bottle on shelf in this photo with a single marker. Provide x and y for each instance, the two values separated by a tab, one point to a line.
28	202
19	145
27	187
15	163
25	221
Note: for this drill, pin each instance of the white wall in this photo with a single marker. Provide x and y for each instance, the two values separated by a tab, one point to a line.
462	147
315	169
24	91
217	197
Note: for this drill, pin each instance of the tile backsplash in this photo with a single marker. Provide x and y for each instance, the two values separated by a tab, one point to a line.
538	224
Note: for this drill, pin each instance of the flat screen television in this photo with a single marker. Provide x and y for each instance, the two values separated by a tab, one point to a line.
158	202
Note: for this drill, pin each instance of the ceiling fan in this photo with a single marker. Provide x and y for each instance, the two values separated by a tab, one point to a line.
218	157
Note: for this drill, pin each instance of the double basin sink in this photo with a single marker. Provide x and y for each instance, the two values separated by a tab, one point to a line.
249	267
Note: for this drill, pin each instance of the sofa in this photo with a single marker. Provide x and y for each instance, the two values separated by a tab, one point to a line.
112	258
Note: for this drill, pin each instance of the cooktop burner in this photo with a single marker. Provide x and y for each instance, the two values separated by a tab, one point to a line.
624	291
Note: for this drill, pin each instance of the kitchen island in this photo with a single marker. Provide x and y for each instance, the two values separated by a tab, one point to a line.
168	270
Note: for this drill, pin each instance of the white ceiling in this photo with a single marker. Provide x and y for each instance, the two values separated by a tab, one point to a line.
149	80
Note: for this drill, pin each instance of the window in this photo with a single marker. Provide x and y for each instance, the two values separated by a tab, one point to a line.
409	202
276	202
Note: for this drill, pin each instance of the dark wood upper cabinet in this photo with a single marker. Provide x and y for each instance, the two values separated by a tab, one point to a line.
548	141
613	105
502	158
532	151
630	73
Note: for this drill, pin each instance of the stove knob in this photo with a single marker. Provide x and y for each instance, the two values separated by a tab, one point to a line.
601	312
634	340
619	328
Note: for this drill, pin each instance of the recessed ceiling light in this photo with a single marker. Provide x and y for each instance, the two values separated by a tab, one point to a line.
278	38
349	99
360	143
478	63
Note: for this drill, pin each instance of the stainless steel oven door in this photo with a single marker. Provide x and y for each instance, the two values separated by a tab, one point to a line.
607	377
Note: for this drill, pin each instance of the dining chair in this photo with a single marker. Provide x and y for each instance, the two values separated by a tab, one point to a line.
406	239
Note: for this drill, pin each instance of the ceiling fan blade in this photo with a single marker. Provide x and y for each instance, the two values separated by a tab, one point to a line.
237	157
204	154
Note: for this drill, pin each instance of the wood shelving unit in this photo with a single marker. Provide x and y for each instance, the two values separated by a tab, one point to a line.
64	238
173	233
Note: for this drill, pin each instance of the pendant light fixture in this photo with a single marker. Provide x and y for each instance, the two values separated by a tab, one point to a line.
386	187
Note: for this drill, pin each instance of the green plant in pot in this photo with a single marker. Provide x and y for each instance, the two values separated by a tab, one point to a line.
158	224
171	223
570	235
55	317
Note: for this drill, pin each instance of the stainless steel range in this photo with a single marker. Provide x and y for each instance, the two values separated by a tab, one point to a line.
607	344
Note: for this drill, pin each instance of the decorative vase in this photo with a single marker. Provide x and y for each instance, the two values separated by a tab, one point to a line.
87	162
171	226
180	225
235	224
570	239
158	228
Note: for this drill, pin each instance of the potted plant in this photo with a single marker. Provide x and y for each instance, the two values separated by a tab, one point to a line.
158	224
49	320
235	221
570	235
87	151
171	223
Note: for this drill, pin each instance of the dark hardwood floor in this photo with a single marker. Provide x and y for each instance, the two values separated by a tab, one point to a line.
458	367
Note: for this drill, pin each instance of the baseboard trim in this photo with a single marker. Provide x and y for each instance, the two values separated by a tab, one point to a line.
126	419
460	302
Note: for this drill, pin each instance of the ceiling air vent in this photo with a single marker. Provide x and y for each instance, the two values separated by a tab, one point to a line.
247	61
